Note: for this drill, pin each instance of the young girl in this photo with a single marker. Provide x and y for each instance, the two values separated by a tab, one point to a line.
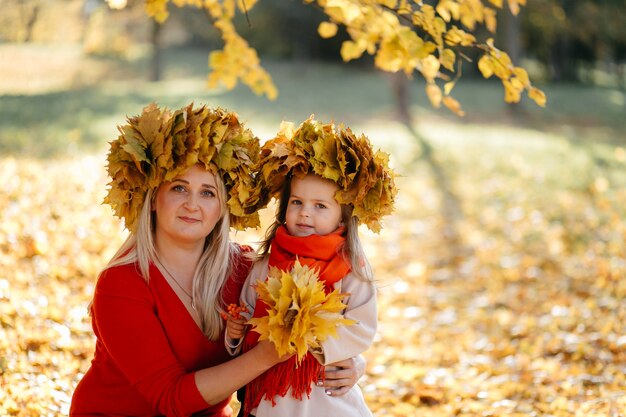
328	181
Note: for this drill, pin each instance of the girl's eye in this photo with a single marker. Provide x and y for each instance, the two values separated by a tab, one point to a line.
296	202
320	206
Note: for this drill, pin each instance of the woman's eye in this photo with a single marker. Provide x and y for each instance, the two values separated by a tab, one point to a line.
208	193
178	188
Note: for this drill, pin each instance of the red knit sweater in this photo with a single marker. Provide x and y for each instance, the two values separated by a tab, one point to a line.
148	348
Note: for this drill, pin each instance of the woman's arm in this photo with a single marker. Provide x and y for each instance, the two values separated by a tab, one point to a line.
132	334
341	376
218	382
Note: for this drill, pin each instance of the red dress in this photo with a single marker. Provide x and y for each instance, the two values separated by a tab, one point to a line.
148	348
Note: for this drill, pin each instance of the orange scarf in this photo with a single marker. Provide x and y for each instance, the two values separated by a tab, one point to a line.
321	253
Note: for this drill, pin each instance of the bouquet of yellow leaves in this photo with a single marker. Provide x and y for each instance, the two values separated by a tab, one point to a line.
300	315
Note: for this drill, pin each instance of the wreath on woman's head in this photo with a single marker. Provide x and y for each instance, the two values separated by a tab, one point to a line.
364	178
159	145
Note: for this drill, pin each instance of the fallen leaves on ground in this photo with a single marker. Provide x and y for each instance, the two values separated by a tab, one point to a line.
515	308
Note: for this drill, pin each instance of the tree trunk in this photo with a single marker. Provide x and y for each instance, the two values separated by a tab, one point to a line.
400	89
157	53
31	14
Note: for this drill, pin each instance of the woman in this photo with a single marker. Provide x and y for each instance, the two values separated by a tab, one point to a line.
179	180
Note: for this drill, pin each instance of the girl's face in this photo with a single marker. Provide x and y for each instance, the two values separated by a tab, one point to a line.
312	208
188	207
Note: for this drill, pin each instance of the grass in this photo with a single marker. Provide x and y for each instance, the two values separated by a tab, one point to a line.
576	143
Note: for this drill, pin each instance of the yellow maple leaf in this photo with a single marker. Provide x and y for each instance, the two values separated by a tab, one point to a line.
514	6
430	67
538	96
352	50
453	105
485	65
434	95
448	10
512	90
490	20
157	9
300	315
455	36
327	30
447	58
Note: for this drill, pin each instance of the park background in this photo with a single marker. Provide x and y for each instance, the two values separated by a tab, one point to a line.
501	272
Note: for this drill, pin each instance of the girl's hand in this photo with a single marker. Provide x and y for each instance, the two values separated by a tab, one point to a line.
235	328
343	375
235	321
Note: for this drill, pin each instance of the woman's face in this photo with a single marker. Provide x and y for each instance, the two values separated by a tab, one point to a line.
312	208
187	208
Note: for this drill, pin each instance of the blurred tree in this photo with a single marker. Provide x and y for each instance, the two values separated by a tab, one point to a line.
402	36
40	20
157	53
568	36
30	11
20	20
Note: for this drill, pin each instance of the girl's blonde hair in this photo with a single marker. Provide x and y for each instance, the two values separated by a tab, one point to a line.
351	250
214	266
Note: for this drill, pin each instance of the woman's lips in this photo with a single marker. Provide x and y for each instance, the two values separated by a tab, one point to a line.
189	220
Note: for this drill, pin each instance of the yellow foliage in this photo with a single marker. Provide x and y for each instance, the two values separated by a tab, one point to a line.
352	50
434	95
158	145
514	5
512	91
448	10
447	59
327	29
238	61
485	65
363	175
300	314
538	96
402	35
430	67
458	37
490	20
453	105
157	9
447	87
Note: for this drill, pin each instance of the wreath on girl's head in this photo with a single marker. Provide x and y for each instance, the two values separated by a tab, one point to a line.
364	178
158	145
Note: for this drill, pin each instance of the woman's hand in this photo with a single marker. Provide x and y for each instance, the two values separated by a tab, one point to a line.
343	375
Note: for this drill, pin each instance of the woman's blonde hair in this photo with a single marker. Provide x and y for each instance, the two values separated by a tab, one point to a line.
214	266
351	250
